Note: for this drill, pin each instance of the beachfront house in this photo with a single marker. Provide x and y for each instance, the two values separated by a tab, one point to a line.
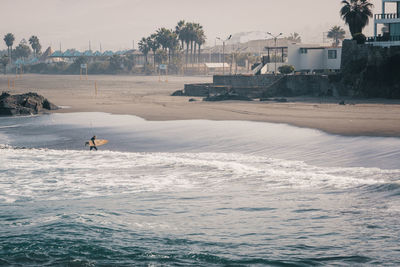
389	23
314	58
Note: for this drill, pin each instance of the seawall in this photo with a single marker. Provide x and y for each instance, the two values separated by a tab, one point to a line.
267	85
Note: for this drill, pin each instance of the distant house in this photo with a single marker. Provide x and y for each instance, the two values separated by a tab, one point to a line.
309	58
390	35
314	58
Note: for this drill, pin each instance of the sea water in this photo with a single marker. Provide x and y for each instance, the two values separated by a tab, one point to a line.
202	193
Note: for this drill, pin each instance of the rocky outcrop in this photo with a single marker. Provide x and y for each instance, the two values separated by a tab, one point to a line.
370	71
24	104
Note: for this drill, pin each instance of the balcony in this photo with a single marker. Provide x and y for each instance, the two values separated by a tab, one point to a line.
387	16
385	40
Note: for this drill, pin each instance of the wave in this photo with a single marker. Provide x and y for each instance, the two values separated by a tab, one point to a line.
47	174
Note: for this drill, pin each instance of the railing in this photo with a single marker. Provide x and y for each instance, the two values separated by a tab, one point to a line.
385	38
387	16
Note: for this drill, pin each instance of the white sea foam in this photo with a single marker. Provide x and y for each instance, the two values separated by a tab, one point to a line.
44	174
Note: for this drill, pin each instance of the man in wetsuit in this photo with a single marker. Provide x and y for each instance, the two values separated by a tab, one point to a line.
93	145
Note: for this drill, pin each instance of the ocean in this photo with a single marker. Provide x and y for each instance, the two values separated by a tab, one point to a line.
194	193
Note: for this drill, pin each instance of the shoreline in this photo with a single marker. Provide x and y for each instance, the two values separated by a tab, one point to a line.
145	97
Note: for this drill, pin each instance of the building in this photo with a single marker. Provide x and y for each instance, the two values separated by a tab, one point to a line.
390	23
306	58
314	58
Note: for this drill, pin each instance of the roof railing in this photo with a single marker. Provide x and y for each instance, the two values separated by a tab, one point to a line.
384	38
387	16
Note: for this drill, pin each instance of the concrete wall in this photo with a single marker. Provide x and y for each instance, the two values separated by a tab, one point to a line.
204	89
266	86
245	81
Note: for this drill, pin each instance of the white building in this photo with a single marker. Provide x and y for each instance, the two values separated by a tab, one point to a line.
314	58
391	22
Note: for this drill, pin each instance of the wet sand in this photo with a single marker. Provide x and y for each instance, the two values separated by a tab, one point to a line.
150	99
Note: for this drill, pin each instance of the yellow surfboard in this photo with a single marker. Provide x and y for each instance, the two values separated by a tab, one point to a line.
97	142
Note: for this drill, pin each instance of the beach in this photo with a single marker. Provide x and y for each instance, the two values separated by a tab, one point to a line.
149	97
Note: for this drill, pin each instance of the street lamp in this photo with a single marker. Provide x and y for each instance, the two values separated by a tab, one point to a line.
275	39
223	52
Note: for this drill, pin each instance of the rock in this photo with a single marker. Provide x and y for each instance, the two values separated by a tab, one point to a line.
178	93
342	103
24	104
192	100
227	96
280	100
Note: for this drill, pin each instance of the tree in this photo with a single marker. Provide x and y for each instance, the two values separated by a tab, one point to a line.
337	34
22	50
168	40
286	69
144	48
356	14
200	39
179	30
294	37
35	44
4	61
9	40
154	45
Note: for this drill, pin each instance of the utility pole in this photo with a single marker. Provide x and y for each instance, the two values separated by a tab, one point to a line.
223	52
275	39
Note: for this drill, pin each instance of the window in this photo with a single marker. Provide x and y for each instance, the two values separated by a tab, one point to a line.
332	54
303	50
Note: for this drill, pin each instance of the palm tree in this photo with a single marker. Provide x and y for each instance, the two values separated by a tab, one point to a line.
337	34
168	40
144	48
154	45
35	44
9	40
179	30
294	37
200	40
356	14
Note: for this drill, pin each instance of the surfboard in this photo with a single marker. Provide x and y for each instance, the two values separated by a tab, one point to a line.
98	142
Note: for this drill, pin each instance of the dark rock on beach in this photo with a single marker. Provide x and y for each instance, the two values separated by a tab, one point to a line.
178	93
279	100
24	104
227	96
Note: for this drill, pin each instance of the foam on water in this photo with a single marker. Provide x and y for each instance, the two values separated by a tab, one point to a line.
45	174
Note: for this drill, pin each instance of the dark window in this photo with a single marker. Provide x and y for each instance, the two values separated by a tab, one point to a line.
332	54
303	50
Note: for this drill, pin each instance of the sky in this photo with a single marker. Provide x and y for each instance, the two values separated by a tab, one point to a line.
117	24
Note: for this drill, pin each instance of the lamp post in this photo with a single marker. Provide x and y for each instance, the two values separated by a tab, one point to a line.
275	39
223	52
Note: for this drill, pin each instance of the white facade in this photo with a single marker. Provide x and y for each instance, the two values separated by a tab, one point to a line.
312	58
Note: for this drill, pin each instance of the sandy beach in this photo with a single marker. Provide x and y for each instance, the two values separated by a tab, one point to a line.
149	98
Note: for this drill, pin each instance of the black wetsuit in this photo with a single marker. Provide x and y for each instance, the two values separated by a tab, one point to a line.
94	144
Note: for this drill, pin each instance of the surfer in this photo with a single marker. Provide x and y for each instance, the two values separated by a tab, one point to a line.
93	144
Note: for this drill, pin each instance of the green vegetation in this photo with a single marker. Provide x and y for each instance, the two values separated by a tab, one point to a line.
286	69
360	38
4	61
35	44
294	37
168	45
336	33
356	14
22	50
9	40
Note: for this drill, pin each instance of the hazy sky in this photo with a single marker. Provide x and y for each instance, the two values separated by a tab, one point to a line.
117	23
